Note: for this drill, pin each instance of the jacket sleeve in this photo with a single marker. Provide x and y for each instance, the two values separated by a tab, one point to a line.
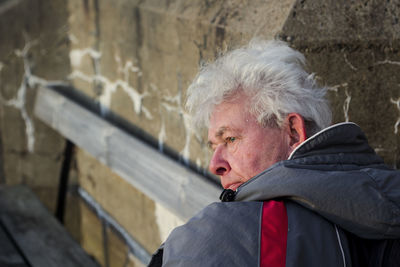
222	234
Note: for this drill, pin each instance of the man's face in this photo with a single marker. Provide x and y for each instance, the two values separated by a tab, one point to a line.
242	147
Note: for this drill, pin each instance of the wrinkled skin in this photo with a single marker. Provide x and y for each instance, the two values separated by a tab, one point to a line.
242	147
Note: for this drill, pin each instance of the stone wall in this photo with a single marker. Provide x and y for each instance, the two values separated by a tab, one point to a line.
353	47
34	50
136	59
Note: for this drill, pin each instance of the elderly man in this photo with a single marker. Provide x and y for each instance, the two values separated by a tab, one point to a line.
294	187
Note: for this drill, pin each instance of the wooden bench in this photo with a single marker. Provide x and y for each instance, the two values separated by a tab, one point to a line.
109	140
128	152
30	236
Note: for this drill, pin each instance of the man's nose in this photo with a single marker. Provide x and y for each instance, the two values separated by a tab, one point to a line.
218	163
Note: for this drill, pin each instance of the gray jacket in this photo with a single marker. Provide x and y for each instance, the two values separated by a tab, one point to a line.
333	181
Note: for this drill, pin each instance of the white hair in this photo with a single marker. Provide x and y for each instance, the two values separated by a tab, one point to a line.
272	74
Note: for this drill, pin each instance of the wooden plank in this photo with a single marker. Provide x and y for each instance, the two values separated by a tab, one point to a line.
164	180
9	254
41	238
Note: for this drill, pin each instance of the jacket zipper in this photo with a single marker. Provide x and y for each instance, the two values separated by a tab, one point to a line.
340	245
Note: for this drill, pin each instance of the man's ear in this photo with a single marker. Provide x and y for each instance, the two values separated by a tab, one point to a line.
296	129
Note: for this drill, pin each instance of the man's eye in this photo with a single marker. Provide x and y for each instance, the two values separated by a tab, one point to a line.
230	139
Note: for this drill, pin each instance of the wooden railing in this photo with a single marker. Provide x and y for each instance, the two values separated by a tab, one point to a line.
161	178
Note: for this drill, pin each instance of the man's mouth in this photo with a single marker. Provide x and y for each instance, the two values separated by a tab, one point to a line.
233	186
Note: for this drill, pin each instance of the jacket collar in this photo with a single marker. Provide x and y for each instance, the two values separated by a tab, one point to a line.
308	143
344	138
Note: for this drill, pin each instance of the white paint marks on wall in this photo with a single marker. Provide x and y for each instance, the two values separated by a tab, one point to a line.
166	221
199	164
76	55
348	63
19	102
387	61
397	124
127	68
335	88
73	38
186	149
379	149
162	135
109	87
346	105
174	104
396	102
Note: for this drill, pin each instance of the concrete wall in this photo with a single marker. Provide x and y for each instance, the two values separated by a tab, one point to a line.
136	58
34	49
353	47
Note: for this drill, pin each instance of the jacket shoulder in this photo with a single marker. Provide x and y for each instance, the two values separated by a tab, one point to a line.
222	234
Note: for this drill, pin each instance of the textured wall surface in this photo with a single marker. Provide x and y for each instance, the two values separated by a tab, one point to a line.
136	59
33	51
353	47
